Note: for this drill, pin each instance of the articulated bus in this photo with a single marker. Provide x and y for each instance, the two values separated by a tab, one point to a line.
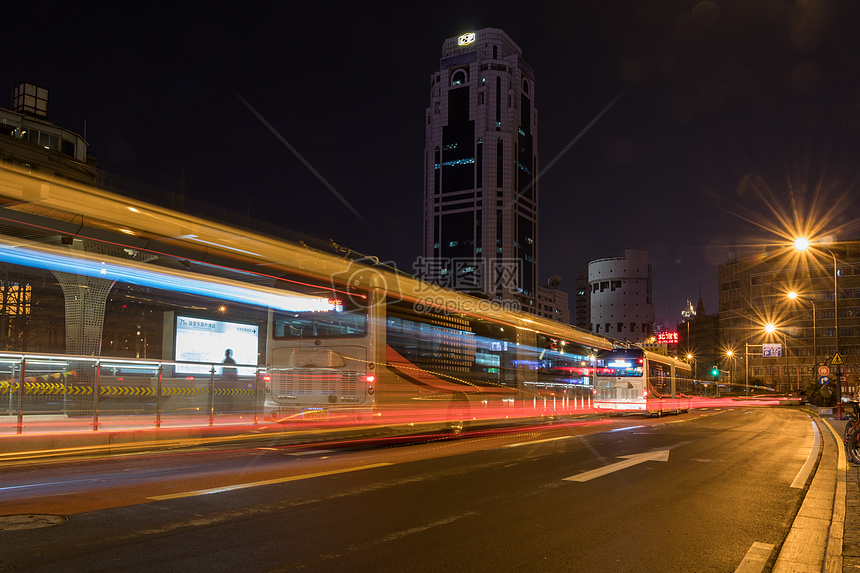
394	350
636	380
318	336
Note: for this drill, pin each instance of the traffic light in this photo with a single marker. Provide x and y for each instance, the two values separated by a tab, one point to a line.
715	372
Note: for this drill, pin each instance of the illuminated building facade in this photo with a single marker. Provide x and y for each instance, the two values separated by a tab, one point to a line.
552	302
753	291
583	300
480	171
28	139
621	303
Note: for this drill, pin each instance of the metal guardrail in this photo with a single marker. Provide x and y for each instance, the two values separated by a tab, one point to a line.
97	387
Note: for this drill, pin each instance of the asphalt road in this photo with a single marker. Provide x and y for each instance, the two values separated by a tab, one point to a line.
705	487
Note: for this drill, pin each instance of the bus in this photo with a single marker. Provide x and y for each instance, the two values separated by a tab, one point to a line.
634	380
393	350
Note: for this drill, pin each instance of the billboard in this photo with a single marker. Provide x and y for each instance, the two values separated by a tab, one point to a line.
206	340
667	337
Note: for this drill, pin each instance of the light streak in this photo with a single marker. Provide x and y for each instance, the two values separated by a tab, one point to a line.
579	135
133	273
299	156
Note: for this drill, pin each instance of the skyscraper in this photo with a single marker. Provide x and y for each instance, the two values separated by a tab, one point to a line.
480	171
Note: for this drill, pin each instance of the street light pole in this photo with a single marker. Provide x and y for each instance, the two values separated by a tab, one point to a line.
802	244
785	361
793	295
836	335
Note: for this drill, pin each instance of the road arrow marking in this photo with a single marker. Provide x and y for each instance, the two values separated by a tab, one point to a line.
632	460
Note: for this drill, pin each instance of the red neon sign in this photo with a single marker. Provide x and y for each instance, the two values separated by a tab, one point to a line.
667	337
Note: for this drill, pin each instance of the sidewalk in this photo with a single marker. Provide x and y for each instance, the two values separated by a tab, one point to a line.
845	518
851	539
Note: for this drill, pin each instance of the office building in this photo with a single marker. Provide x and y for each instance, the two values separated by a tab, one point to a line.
480	171
753	292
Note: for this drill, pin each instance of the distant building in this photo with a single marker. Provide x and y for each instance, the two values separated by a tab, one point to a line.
28	321
621	303
583	300
753	291
28	139
552	302
699	342
480	171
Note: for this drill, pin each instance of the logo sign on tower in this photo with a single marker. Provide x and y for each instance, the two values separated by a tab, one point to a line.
466	39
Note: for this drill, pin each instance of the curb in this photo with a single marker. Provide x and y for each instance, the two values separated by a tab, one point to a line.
814	542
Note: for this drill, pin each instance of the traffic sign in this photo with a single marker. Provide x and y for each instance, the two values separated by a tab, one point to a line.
823	380
836	360
771	350
823	370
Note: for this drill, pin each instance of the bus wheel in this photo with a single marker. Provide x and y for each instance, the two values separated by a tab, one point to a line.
458	413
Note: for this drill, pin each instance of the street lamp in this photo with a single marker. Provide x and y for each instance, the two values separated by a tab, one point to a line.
770	328
730	354
691	360
793	296
802	244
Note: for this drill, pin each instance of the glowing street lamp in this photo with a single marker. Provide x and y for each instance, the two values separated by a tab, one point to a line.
802	244
730	354
794	296
770	328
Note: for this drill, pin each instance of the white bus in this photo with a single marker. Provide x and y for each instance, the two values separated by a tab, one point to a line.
636	380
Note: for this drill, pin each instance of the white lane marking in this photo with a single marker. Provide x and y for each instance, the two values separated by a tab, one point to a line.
622	429
423	528
803	474
538	441
264	482
756	558
47	483
310	452
632	460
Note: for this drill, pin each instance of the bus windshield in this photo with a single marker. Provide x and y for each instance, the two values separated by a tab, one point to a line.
331	324
620	364
347	317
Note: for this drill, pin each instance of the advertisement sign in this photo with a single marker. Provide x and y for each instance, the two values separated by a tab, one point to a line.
667	337
204	340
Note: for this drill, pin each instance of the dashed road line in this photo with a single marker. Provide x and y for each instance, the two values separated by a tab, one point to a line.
756	558
264	482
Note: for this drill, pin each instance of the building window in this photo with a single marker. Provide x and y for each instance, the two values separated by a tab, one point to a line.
500	170
498	104
525	86
459	78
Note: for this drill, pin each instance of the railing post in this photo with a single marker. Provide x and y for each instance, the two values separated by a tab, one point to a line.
256	395
19	428
212	396
97	390
11	390
158	397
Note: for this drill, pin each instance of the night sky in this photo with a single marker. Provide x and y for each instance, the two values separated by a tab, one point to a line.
737	120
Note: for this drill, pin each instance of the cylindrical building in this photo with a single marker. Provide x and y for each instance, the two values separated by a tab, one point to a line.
621	303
